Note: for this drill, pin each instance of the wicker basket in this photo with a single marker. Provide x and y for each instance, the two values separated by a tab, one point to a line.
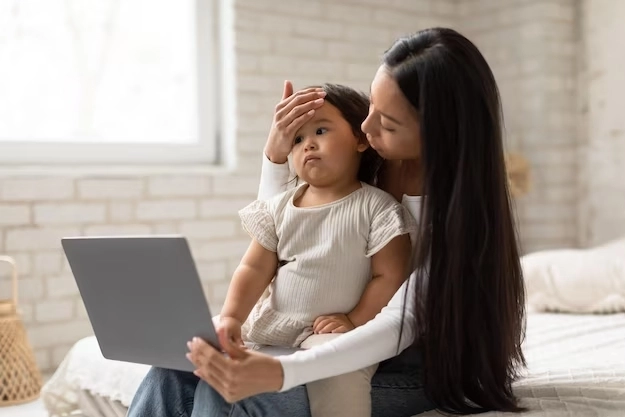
20	380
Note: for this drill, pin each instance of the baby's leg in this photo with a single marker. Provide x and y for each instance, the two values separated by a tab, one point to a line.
347	395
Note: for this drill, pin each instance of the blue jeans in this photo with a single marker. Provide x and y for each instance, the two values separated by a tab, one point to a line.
396	391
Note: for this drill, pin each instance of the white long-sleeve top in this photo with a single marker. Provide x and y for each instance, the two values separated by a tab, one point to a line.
366	345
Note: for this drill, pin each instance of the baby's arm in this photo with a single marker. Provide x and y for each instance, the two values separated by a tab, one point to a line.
390	267
252	276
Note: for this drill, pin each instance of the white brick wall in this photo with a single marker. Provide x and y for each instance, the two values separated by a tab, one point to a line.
104	189
530	46
309	42
560	69
73	213
178	187
36	189
14	214
602	153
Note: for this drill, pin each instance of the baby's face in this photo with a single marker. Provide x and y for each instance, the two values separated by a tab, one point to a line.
325	150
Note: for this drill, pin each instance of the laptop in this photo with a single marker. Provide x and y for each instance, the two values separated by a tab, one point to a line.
144	298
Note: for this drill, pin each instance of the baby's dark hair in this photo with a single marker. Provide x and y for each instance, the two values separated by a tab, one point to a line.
354	107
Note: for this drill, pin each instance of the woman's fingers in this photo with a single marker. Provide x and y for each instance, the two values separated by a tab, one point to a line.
298	122
288	89
236	378
206	369
299	97
200	352
296	107
208	361
296	99
299	110
221	372
218	369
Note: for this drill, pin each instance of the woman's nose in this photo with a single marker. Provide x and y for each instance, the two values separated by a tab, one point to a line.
365	126
366	131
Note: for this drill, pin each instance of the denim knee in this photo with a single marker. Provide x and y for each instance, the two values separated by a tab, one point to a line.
164	392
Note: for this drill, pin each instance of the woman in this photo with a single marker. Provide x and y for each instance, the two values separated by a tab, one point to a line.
435	117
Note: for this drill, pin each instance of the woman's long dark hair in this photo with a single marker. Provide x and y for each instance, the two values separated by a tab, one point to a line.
471	314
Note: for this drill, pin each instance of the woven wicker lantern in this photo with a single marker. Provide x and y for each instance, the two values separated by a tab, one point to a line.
20	380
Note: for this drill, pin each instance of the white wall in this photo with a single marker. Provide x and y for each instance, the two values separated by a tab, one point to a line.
308	41
602	151
530	46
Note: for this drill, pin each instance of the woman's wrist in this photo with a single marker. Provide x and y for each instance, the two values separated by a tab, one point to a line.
278	375
275	157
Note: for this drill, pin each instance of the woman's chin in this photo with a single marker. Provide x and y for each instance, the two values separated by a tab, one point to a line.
389	156
380	152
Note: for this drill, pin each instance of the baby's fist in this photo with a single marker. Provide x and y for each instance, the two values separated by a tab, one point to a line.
231	329
333	323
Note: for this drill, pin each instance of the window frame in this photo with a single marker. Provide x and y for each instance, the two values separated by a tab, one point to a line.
211	86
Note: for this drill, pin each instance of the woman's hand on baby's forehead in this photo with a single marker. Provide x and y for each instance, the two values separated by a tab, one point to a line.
299	97
291	113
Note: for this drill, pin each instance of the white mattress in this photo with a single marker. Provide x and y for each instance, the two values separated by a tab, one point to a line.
576	367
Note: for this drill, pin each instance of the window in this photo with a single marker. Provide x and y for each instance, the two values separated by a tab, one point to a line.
86	82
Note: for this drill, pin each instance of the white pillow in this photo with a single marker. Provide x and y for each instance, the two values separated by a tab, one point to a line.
576	280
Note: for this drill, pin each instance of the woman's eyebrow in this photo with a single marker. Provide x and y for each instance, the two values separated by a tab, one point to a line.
392	119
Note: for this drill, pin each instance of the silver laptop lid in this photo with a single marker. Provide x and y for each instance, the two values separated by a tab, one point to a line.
143	297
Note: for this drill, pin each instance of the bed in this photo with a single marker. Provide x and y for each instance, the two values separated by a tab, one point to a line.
574	346
576	367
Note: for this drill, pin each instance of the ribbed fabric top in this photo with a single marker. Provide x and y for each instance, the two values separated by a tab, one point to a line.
324	255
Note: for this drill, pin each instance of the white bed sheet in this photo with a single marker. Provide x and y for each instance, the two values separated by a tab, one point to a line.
576	367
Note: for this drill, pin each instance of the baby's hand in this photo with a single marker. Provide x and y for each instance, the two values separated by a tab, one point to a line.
333	323
231	328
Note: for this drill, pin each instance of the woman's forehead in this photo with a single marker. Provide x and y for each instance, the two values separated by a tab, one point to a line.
384	89
387	97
